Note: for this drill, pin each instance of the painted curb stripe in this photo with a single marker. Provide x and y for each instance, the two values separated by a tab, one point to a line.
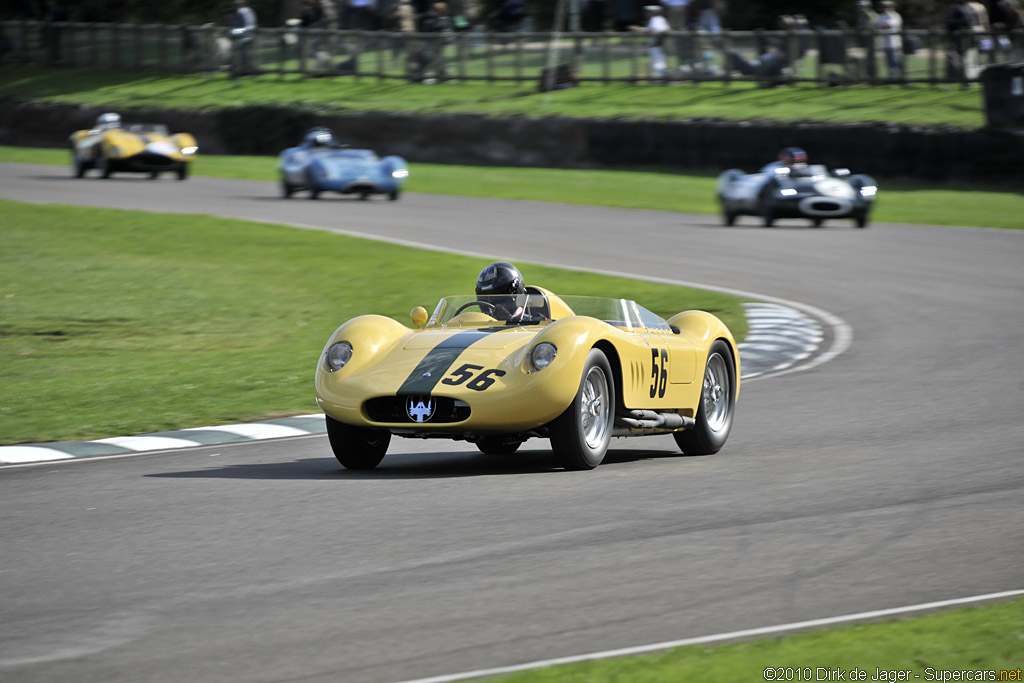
779	338
22	454
148	443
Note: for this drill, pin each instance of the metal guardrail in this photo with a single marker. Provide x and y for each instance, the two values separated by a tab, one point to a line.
768	57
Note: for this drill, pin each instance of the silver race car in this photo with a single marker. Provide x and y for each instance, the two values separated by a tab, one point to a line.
796	190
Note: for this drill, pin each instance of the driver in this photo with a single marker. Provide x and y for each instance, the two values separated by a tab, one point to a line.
791	157
501	284
320	137
108	121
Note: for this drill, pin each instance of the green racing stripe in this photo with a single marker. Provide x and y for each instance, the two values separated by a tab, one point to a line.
435	364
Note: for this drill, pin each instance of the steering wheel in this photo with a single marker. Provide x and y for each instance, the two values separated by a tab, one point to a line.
485	306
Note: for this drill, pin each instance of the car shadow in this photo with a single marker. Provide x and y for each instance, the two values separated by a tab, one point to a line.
431	465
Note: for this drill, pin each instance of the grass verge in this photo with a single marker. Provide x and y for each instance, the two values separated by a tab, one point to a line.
899	202
937	105
121	322
931	647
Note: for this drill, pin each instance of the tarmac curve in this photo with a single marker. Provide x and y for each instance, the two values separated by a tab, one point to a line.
890	476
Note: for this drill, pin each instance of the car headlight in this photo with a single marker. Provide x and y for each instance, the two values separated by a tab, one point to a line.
542	355
400	173
188	151
337	356
787	192
868	191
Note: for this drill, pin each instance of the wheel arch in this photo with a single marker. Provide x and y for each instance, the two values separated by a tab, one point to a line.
612	354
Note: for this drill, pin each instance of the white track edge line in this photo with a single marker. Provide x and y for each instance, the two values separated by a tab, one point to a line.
734	635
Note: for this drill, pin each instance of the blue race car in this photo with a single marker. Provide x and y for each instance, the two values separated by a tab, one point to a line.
320	164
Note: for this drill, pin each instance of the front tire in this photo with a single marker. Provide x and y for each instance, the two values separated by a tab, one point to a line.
104	166
183	173
286	189
357	448
717	405
394	195
580	435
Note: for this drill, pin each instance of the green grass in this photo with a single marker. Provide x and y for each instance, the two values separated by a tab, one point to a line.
121	322
943	105
978	638
900	201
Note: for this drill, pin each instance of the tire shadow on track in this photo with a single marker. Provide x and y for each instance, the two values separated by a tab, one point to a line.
431	465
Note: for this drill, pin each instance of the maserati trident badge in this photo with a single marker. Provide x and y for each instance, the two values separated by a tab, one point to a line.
419	408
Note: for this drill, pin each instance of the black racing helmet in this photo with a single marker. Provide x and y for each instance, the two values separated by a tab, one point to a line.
500	278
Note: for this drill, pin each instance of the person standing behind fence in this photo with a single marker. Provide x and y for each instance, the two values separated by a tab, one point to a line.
677	15
890	24
243	26
863	22
962	60
657	26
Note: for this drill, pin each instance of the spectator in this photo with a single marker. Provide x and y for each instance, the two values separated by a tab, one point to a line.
677	15
1008	18
864	21
707	17
243	26
426	55
890	24
510	16
962	59
360	15
657	26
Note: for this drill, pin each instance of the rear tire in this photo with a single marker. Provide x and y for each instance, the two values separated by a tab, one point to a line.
728	217
357	448
580	435
286	189
717	405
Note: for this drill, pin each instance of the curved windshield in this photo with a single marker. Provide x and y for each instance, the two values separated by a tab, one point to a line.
534	309
146	128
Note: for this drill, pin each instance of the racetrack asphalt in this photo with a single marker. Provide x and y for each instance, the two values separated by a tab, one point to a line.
888	476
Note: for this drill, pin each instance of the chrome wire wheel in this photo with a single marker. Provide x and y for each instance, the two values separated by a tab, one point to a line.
717	392
595	408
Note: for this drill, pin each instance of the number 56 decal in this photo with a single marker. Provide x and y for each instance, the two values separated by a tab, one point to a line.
659	372
480	382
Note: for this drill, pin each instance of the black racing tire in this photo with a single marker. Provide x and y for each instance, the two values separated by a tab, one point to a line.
183	173
363	196
78	167
286	189
717	405
580	435
153	175
104	166
728	217
769	217
817	222
357	448
498	445
861	221
394	195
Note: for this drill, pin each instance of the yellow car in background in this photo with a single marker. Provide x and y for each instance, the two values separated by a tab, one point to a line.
114	147
498	370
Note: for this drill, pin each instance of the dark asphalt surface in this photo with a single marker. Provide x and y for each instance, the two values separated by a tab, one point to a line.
889	476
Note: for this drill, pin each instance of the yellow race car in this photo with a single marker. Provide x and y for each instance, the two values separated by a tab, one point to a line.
112	146
498	369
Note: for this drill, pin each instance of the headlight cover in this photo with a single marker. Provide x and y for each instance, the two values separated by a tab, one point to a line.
400	173
190	150
542	355
337	356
